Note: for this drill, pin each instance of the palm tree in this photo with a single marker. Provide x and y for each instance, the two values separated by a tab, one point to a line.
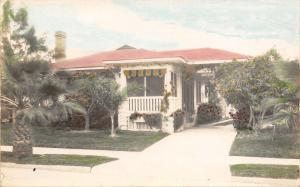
289	72
30	88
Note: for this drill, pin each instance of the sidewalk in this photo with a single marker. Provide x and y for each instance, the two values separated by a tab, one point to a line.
263	160
46	150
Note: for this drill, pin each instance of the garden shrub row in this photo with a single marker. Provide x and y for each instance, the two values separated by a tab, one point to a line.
155	119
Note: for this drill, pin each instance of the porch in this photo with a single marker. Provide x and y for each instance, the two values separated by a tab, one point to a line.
185	94
155	81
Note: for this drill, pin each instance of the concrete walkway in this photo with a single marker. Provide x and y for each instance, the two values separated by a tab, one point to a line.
262	160
44	150
195	157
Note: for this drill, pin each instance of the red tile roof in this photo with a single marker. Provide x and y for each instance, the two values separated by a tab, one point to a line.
189	55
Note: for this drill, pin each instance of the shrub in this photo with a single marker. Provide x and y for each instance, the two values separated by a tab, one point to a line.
153	120
135	116
240	118
207	112
178	116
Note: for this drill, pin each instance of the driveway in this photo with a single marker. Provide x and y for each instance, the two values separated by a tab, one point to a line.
198	156
192	157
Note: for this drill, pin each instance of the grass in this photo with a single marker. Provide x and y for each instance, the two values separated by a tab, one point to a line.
265	171
54	159
96	139
248	143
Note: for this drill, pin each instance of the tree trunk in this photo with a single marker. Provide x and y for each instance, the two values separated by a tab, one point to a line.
251	117
13	116
113	133
87	122
22	142
297	128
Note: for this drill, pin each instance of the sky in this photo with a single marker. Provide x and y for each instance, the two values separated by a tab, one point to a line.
245	26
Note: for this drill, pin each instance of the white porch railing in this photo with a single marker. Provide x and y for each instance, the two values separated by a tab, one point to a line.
145	104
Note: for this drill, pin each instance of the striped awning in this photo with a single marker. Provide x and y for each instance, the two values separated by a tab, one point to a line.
145	73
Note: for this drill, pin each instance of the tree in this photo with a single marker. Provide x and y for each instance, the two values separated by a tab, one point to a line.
30	87
86	96
286	105
110	96
247	84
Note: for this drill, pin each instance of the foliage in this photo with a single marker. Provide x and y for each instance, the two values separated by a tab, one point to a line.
178	117
207	112
240	118
30	88
212	93
247	84
87	95
135	116
165	102
286	106
153	120
109	95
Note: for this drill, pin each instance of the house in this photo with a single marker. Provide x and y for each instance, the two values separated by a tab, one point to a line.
157	71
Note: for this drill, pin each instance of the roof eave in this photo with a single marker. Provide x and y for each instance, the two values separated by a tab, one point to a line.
80	68
177	60
200	62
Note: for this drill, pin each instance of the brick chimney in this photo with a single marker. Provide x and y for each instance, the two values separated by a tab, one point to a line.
60	45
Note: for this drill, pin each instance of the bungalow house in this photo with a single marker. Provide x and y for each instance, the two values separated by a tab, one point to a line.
173	71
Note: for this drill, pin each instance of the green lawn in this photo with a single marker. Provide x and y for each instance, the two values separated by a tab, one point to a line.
261	145
96	139
266	171
53	159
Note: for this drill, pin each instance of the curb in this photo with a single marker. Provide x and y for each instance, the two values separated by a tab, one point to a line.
79	169
273	182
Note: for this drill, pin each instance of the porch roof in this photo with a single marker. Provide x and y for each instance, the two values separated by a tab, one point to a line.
132	55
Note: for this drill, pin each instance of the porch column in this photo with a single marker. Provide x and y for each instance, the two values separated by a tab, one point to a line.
168	125
123	109
204	99
195	95
168	86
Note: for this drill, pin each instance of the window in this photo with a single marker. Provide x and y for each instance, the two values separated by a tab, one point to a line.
174	84
150	82
136	82
155	86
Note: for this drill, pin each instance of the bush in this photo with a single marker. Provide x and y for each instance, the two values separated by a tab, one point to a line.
99	119
207	112
153	120
178	116
241	118
135	116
